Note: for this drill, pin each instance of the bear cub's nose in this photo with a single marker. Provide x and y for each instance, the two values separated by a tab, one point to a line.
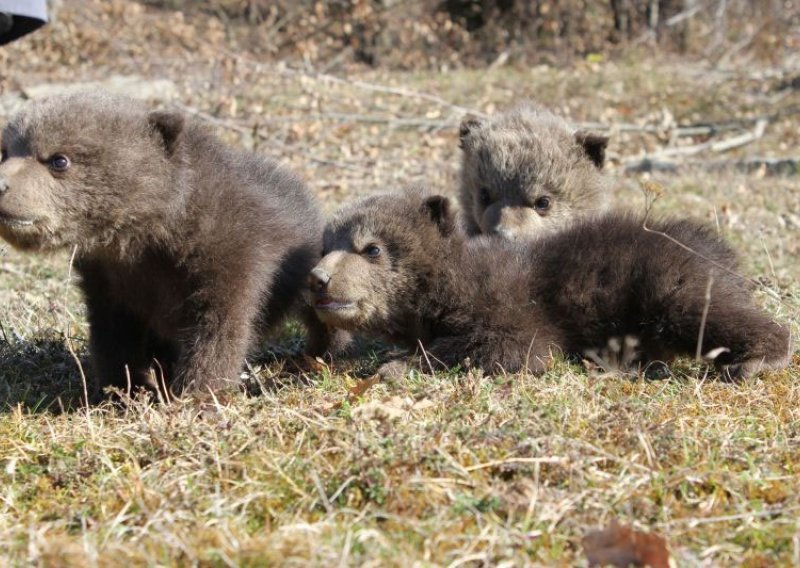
318	280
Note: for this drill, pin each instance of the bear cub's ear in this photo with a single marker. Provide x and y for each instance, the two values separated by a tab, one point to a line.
594	146
168	125
469	124
441	212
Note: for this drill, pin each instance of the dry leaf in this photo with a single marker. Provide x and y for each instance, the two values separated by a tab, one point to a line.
362	387
306	364
652	187
618	545
358	390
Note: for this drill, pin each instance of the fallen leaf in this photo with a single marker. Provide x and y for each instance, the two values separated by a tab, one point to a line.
652	188
618	545
362	387
306	364
359	390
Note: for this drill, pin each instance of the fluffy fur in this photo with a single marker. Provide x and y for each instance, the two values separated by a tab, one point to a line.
394	265
186	248
526	173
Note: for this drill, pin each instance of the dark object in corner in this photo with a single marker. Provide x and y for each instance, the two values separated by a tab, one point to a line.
20	17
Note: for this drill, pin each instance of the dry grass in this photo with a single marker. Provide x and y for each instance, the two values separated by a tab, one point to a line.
450	469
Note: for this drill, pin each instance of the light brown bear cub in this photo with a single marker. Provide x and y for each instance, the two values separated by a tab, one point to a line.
396	266
186	248
525	172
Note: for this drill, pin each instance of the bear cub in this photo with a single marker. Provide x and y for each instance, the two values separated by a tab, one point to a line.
525	173
186	249
396	266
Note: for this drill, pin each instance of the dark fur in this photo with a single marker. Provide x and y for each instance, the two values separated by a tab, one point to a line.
186	248
504	305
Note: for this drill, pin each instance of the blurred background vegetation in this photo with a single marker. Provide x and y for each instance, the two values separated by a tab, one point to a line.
425	33
442	34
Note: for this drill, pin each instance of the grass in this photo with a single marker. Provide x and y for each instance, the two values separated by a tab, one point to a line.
432	470
453	469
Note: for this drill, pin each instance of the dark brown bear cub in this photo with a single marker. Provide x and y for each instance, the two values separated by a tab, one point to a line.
186	249
396	266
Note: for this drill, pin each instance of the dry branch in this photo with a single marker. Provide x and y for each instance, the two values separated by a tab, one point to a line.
742	140
765	166
363	85
509	461
394	91
714	146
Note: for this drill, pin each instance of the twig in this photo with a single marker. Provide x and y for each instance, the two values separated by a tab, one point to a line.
743	139
603	454
719	146
681	151
341	488
348	543
452	461
751	281
272	32
294	487
678	131
707	304
693	522
364	85
394	122
495	463
719	27
692	129
685	15
769	257
441	481
160	378
739	46
427	360
769	166
321	491
388	90
673	240
68	340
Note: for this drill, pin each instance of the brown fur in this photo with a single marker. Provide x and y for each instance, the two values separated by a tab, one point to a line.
396	266
526	173
186	248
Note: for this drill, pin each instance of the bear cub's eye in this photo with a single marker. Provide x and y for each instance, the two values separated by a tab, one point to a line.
59	163
372	251
484	196
542	204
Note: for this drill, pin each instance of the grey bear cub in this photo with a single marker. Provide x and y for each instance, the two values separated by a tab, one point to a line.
186	249
396	266
525	172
